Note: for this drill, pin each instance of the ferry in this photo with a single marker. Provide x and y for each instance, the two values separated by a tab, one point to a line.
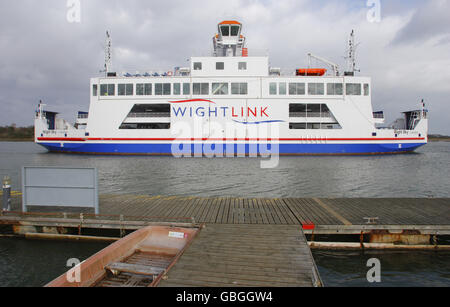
232	102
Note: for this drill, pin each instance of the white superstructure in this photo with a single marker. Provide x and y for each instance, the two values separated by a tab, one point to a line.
235	103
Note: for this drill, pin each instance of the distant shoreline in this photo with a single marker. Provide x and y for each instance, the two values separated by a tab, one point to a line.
439	139
16	140
16	134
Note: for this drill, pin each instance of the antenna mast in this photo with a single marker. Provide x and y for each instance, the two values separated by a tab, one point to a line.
108	53
351	55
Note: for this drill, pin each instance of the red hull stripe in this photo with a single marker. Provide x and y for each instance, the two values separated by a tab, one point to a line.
225	139
62	139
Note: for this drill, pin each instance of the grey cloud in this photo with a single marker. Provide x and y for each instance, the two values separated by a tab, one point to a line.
45	57
430	20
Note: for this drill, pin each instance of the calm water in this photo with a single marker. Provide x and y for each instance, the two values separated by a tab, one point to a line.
422	174
29	263
398	268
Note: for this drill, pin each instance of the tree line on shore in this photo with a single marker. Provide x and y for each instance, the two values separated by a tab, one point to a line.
16	133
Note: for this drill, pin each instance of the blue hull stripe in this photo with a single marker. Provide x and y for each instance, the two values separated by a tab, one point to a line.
287	149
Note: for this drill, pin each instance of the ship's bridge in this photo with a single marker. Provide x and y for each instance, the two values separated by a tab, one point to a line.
230	57
229	41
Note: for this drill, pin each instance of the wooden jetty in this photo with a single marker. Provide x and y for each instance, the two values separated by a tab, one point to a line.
231	255
427	216
248	241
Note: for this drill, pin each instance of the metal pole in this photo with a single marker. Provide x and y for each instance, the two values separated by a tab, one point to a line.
6	183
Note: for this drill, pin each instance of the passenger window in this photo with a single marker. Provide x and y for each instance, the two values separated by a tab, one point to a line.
200	88
220	65
353	89
239	88
158	88
296	88
143	89
334	89
176	89
197	65
273	88
366	89
242	66
186	88
125	89
315	89
220	88
282	88
147	89
104	90
107	89
166	89
121	90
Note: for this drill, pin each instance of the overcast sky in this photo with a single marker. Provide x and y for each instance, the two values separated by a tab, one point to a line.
44	56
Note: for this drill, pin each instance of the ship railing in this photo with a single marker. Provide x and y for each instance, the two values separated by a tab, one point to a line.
149	73
250	53
82	116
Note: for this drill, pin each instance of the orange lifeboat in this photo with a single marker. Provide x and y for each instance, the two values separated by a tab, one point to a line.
311	71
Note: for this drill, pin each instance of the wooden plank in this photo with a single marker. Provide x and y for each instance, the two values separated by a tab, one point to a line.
266	214
134	268
332	212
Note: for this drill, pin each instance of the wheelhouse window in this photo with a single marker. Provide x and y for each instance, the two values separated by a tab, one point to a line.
234	30
220	88
334	89
225	30
239	89
94	90
107	89
315	88
143	89
220	65
272	88
200	88
296	88
353	89
197	65
125	89
242	66
162	89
